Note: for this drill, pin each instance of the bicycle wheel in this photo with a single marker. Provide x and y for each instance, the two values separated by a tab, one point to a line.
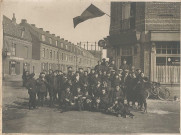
154	91
163	93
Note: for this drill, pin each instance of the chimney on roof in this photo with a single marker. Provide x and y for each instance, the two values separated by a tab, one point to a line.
53	34
41	28
33	25
47	31
23	21
58	36
66	40
14	18
62	38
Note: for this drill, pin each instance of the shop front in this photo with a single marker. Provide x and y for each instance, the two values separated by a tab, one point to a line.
165	58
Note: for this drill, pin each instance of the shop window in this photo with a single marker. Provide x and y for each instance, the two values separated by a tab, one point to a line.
161	61
174	61
167	48
168	61
56	43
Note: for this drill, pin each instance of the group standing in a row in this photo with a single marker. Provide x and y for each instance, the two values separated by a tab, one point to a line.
105	88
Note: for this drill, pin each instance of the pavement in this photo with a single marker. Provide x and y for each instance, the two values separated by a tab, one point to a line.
162	117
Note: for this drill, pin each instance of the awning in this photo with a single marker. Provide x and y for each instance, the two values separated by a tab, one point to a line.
122	39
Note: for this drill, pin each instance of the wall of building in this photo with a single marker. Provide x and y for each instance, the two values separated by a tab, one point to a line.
20	47
162	16
140	16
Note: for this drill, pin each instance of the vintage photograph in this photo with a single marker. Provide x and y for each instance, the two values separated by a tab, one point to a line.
90	67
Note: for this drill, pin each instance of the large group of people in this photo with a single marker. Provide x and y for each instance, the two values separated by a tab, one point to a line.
104	88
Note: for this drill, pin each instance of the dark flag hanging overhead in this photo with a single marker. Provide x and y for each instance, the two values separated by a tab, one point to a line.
91	12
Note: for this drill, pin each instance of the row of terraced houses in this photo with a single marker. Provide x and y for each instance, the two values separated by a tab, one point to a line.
28	48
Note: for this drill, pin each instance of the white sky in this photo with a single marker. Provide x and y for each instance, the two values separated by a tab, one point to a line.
57	16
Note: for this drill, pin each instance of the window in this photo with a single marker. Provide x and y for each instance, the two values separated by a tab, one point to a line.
51	54
168	61
22	33
26	51
128	16
168	48
125	11
43	54
50	40
43	37
66	57
118	51
50	66
54	55
13	51
66	47
43	66
56	43
47	54
127	51
57	56
74	58
62	56
61	45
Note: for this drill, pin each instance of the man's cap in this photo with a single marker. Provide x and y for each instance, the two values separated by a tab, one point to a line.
55	71
42	73
126	70
138	69
32	74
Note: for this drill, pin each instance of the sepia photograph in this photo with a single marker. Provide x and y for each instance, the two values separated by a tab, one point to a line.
90	66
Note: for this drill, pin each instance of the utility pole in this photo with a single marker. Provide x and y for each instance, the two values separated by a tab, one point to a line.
87	45
95	46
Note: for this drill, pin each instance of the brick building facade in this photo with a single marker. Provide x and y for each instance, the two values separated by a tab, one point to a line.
26	47
147	35
17	48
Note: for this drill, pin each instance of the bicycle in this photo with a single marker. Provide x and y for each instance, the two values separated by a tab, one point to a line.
155	89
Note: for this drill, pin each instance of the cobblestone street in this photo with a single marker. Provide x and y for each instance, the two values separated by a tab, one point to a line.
162	117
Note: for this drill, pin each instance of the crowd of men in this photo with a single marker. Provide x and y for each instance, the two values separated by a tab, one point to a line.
104	88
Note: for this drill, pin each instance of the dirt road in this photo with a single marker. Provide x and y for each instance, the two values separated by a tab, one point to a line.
162	117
